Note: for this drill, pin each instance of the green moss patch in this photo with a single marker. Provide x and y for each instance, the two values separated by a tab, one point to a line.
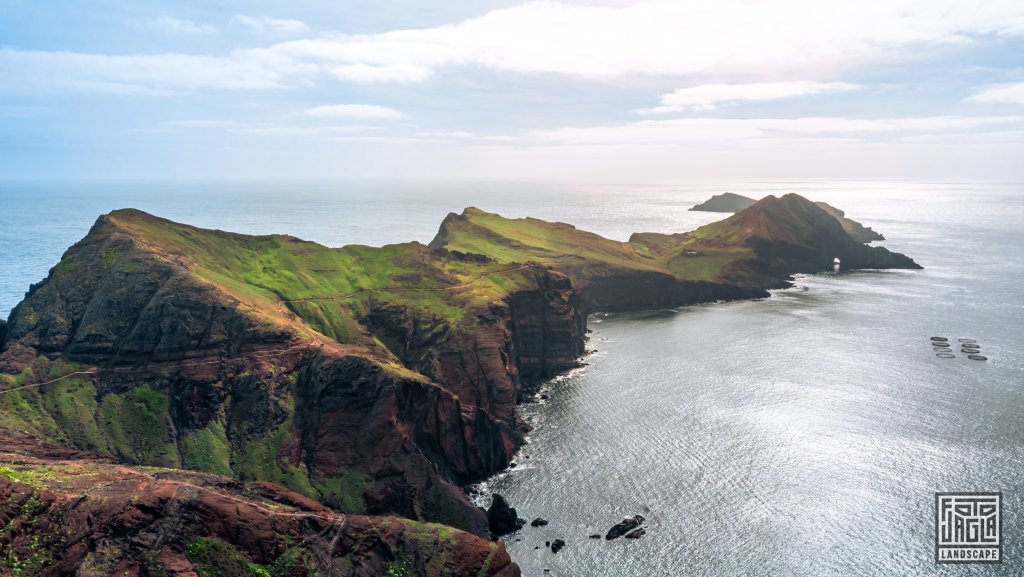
344	493
137	427
215	558
207	450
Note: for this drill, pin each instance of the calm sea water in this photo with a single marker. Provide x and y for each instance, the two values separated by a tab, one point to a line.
801	435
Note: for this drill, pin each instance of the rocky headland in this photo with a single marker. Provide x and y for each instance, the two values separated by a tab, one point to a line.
357	383
725	202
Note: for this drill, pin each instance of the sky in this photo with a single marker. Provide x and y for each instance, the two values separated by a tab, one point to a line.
611	90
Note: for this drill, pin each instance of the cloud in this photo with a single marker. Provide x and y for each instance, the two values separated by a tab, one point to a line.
309	130
674	38
445	134
36	71
1001	94
362	111
709	96
178	26
264	26
710	130
773	40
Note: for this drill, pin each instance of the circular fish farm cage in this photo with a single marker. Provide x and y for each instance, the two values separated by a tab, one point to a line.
977	357
945	355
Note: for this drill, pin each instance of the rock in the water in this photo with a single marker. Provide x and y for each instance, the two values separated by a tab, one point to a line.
557	545
595	536
539	522
636	533
501	518
627	525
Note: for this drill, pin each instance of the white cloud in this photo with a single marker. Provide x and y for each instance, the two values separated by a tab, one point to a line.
264	26
363	111
709	96
389	140
711	130
179	26
1001	94
36	71
687	37
309	130
772	40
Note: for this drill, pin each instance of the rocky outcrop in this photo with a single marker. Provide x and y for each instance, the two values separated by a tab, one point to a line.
109	301
501	518
789	235
725	202
87	517
627	525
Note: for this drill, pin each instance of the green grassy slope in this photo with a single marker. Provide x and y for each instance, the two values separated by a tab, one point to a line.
579	253
723	252
328	288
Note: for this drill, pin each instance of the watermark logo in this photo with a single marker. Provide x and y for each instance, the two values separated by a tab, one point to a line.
969	527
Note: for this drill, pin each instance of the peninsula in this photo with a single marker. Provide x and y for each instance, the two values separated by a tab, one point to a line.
181	396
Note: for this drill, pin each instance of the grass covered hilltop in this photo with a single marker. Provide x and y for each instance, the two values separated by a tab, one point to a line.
289	376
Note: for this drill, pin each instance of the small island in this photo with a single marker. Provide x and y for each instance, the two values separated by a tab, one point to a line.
276	398
725	202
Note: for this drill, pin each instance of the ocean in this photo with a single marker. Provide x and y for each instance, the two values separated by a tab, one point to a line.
801	435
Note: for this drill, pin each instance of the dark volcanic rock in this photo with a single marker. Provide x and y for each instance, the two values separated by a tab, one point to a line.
636	533
539	522
638	290
501	518
625	526
557	545
725	202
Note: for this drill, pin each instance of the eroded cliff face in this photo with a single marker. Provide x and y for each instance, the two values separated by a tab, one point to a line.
88	517
488	360
638	290
111	301
177	372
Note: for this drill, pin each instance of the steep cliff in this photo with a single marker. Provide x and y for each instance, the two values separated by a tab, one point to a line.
856	230
789	235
